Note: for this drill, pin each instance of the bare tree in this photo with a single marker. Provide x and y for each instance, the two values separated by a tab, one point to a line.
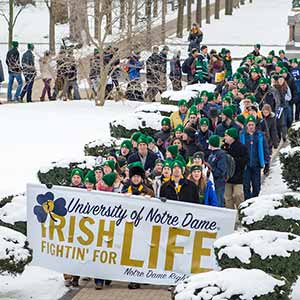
207	10
180	15
122	13
148	17
189	14
163	21
199	12
217	9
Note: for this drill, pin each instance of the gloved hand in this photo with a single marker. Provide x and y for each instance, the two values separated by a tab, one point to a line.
267	170
49	185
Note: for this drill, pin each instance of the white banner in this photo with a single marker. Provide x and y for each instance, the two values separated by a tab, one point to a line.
113	236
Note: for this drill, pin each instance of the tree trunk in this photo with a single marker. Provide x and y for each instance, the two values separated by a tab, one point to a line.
136	12
155	8
163	21
217	9
189	15
149	20
199	13
179	32
207	12
96	18
122	13
52	28
129	22
100	99
108	16
10	23
173	5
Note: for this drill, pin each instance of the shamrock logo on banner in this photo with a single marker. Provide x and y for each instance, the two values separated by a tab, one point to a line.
47	205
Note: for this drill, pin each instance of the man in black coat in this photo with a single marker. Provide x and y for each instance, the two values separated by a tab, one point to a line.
179	188
253	81
144	155
234	193
187	66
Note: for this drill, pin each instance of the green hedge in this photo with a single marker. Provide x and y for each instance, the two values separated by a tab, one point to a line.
5	200
294	135
122	132
99	148
286	266
167	100
275	221
290	165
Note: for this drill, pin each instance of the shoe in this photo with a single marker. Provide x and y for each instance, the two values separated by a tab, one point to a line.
107	282
99	286
68	283
134	286
75	282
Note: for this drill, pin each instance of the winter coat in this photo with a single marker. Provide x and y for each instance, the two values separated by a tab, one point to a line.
201	140
258	148
134	69
28	64
175	69
269	127
187	68
141	190
195	38
150	160
163	62
153	68
295	72
252	84
269	96
188	191
13	61
217	162
239	152
176	120
228	67
1	72
95	64
222	127
45	68
191	148
157	183
291	83
164	136
210	197
201	68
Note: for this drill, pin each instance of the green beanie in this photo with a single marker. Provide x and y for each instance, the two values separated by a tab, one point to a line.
198	100
150	140
204	121
272	52
15	44
110	163
195	168
214	141
243	90
237	76
263	80
173	149
229	94
30	46
211	97
257	46
227	99
182	102
193	110
281	52
142	139
135	164
135	136
269	61
179	128
232	132
284	70
251	98
179	157
167	163
240	118
204	93
166	121
242	80
109	178
227	111
280	64
78	172
178	163
294	60
90	177
251	119
255	70
126	144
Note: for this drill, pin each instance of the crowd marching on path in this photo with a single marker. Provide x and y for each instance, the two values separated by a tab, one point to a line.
212	152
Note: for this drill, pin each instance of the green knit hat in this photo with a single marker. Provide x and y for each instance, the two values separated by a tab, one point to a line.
214	141
182	102
211	96
150	140
242	80
227	99
135	164
227	111
193	110
243	90
241	119
204	121
272	52
281	51
294	60
251	119
198	100
204	93
195	168
126	144
15	44
109	178
178	163
30	46
232	132
173	149
257	46
229	94
237	76
255	70
280	64
263	80
110	163
90	177
269	60
179	128
284	70
135	136
166	121
78	172
250	97
142	139
167	163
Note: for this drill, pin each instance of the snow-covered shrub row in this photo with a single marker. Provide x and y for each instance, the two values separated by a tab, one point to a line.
290	165
14	251
164	110
294	134
271	251
100	147
147	123
13	213
233	284
58	173
279	212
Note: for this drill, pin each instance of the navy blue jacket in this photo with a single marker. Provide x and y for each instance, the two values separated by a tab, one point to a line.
217	162
258	149
201	139
222	127
150	160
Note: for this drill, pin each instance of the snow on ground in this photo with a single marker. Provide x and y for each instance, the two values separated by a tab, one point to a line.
34	284
33	135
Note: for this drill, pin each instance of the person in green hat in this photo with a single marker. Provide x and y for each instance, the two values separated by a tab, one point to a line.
90	180
200	105
252	82
178	131
203	134
29	72
157	171
226	101
283	58
164	135
227	121
77	178
217	164
126	148
256	51
193	119
165	176
295	72
181	116
154	148
241	83
109	166
227	64
134	138
98	171
179	188
107	182
234	193
259	158
14	72
172	152
240	121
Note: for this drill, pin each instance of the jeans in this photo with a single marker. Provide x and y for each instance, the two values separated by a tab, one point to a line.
220	195
27	89
46	89
11	78
69	86
252	182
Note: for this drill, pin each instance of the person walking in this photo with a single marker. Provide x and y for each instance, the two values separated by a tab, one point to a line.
175	72
46	74
195	37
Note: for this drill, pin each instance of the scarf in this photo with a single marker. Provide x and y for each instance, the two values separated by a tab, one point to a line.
179	186
139	188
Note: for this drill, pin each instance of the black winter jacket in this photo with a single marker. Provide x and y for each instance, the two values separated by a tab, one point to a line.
150	160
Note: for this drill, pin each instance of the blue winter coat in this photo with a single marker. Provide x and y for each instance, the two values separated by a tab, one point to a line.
150	160
217	161
258	148
210	197
201	139
135	67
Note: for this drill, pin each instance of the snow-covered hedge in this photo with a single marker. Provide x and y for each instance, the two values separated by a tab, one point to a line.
290	165
294	134
100	147
14	251
233	284
13	213
147	123
271	251
272	212
163	109
58	173
172	97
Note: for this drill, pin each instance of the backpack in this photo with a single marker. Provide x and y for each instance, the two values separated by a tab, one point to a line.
230	166
185	67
